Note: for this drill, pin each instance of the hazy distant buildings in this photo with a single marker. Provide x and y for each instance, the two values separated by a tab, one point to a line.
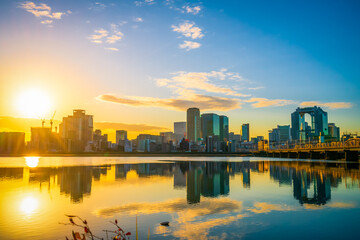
318	123
121	135
100	141
334	131
245	132
40	139
12	142
77	131
193	124
280	134
179	131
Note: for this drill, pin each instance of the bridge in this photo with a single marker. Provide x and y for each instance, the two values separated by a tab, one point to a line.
348	150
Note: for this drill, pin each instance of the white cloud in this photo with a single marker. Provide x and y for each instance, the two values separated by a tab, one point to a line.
188	29
264	102
97	6
332	105
188	45
144	2
42	11
110	37
47	21
138	19
193	10
112	49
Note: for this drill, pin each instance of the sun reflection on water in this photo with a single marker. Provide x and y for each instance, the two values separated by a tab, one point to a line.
32	161
29	205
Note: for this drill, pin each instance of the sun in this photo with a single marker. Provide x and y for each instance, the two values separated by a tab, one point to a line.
33	103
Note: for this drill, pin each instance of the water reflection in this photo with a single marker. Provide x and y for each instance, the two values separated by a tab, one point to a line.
311	182
32	161
29	205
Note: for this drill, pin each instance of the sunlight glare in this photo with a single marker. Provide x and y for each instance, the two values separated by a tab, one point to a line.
33	103
29	205
32	161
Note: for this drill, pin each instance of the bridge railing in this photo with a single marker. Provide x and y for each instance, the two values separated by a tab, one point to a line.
351	143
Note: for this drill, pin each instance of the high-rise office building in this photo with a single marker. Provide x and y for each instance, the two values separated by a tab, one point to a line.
77	131
224	128
334	131
121	135
179	130
280	134
210	125
318	125
245	132
193	124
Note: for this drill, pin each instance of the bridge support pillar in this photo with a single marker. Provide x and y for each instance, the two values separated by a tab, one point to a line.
351	155
284	154
303	155
315	155
332	155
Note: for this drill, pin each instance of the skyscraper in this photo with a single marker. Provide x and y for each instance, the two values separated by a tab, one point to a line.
210	125
77	131
224	128
318	124
334	131
193	124
121	135
245	132
179	130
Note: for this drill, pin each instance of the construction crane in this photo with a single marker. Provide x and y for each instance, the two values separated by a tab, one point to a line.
51	120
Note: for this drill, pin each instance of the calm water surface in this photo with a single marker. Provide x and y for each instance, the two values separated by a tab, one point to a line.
202	198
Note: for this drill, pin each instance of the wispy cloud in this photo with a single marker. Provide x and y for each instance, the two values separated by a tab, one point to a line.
202	101
110	37
263	207
188	29
138	19
332	105
144	2
97	6
43	11
193	10
112	49
255	88
204	81
264	102
188	45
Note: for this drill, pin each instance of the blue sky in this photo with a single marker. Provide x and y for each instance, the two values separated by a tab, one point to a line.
123	61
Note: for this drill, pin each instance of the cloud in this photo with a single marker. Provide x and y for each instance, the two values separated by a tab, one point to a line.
42	10
264	102
99	35
263	207
193	10
255	88
329	205
204	81
110	37
188	45
112	49
202	101
138	19
47	21
207	206
188	29
332	105
144	2
97	6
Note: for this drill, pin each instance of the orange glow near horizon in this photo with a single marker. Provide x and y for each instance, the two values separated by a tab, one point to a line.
33	103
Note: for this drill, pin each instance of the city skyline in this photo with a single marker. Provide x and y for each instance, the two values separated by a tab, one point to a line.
124	61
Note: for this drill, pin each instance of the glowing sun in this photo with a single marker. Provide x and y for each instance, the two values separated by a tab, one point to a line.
33	103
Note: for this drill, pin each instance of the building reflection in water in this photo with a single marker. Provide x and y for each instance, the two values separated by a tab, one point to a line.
311	182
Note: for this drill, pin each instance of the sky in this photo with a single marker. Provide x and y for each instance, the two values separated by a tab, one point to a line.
139	65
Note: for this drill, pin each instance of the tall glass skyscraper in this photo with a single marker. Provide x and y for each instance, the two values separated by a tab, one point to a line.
245	132
210	125
193	124
224	128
